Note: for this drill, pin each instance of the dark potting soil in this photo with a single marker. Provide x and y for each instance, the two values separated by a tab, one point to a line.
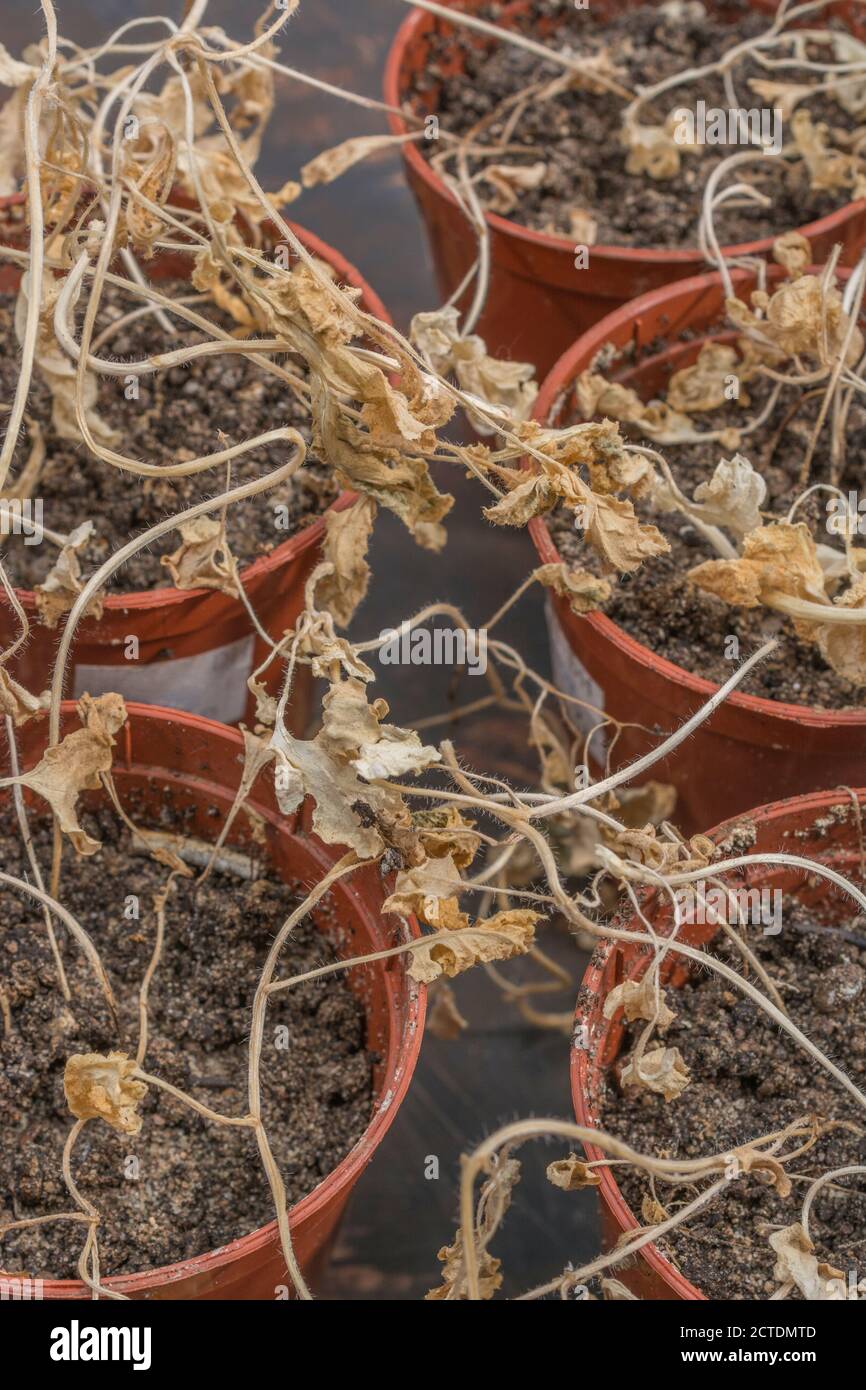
662	609
577	134
180	414
749	1079
198	1184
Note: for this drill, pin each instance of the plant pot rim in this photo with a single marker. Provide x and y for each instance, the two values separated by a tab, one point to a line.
144	600
633	257
585	1070
558	379
347	1170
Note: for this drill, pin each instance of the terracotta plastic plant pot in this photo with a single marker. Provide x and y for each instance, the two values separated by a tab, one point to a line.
195	764
751	747
796	826
538	301
196	647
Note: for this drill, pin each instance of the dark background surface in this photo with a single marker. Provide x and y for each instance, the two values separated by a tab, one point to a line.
501	1069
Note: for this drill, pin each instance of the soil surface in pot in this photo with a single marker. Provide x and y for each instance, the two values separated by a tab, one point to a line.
663	610
576	133
184	1185
749	1079
180	414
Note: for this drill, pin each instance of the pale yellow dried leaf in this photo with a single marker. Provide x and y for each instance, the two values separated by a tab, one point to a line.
662	1070
796	1263
793	251
703	385
74	765
444	1019
203	559
733	496
18	703
508	181
583	590
347	538
507	934
101	1087
638	1000
780	558
63	583
571	1174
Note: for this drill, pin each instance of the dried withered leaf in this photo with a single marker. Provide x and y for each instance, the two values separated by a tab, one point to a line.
615	533
203	559
778	558
495	381
489	1276
444	1019
828	168
571	1174
508	181
662	1069
330	164
793	251
652	149
582	227
797	1264
583	590
347	537
74	765
58	369
703	385
62	585
446	831
782	96
352	741
507	934
596	395
652	1211
842	646
649	804
103	1088
733	496
430	890
18	703
800	319
638	999
614	1291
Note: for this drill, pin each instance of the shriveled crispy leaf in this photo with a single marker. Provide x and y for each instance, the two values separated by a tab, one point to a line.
489	1277
101	1087
792	251
444	1019
799	320
203	559
330	164
616	534
649	804
18	703
843	646
62	585
644	846
430	890
652	1211
533	496
638	999
782	96
495	381
508	181
583	590
662	1069
796	1263
582	227
702	386
652	149
507	934
347	537
74	765
733	496
828	168
447	831
851	95
351	744
597	396
571	1174
779	558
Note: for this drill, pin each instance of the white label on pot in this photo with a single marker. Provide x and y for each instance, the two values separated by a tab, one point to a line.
572	678
211	683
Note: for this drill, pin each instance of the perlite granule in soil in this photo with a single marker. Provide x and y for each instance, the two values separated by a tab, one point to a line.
180	413
750	1079
576	134
183	1185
